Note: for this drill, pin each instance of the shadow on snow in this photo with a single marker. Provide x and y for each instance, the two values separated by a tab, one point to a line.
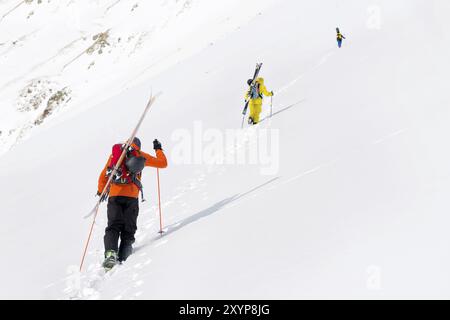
205	213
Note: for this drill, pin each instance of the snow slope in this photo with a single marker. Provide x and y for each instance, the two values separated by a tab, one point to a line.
93	50
356	209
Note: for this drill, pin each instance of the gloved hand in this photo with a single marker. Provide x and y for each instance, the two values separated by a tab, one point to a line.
105	196
157	145
271	93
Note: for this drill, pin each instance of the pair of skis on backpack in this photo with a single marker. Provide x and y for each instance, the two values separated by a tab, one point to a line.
252	84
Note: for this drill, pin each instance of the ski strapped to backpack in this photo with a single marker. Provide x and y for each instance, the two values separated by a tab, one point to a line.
105	191
253	90
130	170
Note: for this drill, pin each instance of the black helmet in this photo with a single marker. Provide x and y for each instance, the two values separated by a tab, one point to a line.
135	164
249	82
137	142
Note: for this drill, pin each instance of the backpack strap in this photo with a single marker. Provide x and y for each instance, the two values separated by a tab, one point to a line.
254	91
138	184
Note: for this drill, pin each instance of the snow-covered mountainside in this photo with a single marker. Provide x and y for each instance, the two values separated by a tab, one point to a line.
341	194
66	54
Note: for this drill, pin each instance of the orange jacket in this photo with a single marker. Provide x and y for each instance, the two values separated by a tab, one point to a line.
130	190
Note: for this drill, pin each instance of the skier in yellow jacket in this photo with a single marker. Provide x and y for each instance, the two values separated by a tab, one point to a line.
255	95
339	37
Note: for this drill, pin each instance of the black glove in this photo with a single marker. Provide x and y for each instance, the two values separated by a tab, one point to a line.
157	145
272	93
102	198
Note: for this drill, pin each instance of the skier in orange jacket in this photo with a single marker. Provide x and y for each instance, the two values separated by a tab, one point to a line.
123	203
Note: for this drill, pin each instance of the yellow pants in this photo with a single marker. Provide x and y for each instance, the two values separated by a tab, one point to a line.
255	109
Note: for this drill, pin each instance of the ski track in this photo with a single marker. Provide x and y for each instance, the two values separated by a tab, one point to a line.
340	158
321	62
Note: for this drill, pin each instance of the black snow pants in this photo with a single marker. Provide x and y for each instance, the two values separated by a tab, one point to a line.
122	222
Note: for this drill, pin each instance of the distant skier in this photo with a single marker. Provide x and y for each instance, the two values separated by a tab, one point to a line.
123	203
255	95
339	37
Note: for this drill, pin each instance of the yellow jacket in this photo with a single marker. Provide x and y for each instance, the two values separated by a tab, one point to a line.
262	91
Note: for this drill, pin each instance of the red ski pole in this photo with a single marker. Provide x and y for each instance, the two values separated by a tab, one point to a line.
159	203
89	237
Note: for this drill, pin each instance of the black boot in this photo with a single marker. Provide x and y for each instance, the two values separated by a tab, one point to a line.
125	250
